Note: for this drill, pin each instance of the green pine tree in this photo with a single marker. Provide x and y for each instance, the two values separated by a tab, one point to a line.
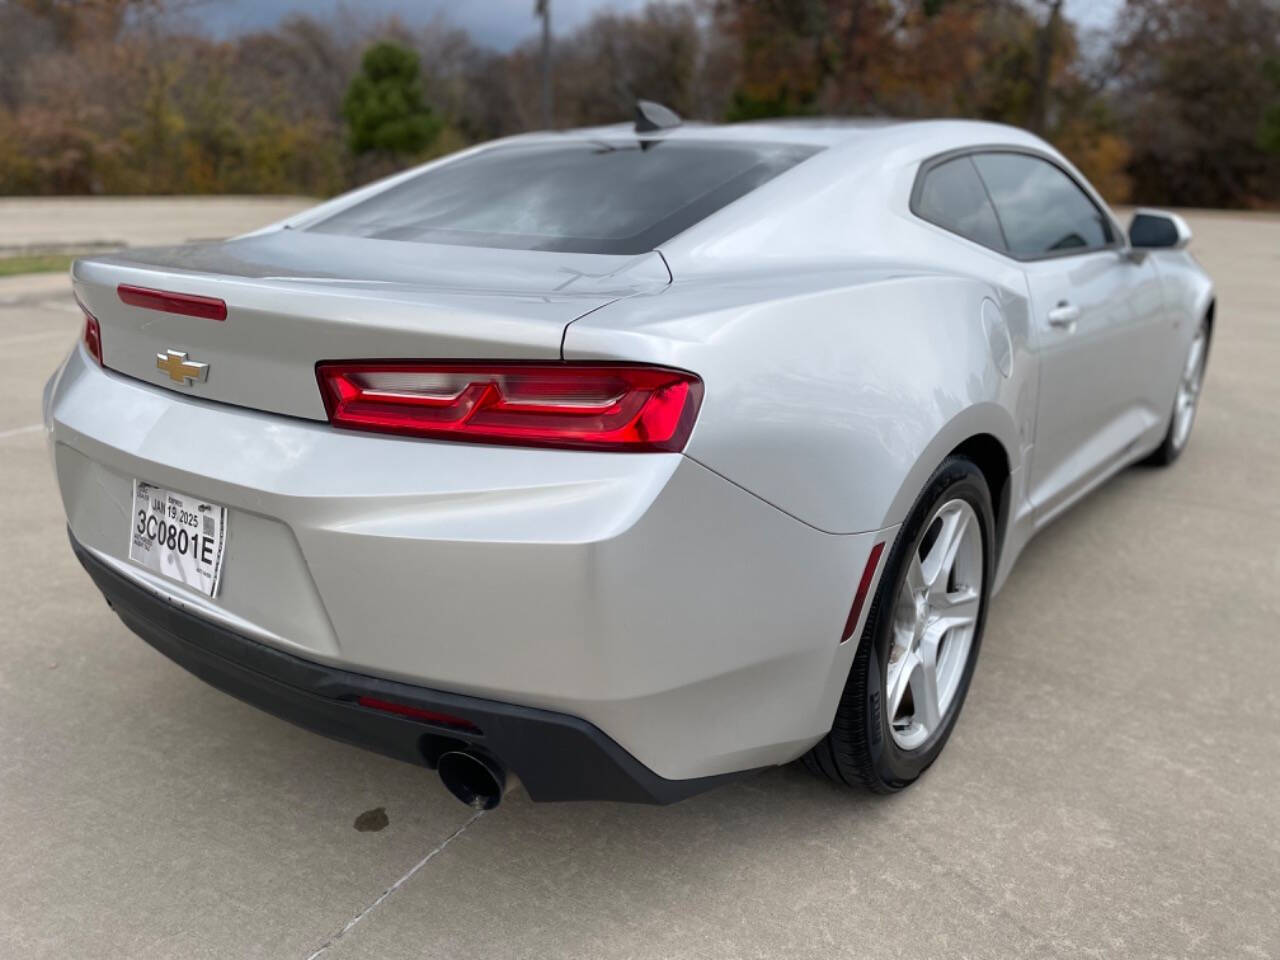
384	107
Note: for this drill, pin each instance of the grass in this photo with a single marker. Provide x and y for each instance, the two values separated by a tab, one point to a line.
43	263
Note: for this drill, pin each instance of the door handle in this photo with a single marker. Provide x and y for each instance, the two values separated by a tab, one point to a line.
1064	314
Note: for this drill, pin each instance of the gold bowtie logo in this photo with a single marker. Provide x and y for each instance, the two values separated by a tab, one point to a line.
180	369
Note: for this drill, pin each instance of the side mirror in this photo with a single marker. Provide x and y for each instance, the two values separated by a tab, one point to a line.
1158	230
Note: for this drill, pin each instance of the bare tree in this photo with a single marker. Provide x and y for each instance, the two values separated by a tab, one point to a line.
542	9
1045	43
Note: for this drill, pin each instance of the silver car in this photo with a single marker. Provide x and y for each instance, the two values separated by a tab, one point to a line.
622	461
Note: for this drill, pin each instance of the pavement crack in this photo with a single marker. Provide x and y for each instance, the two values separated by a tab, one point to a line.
394	887
21	431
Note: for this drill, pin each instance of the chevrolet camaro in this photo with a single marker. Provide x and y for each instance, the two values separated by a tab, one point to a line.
619	462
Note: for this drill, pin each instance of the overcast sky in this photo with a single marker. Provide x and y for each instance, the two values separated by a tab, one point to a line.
495	23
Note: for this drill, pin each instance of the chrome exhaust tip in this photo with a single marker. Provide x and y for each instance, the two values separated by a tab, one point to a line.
477	781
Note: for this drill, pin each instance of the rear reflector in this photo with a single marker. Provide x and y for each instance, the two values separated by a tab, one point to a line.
187	304
92	334
859	598
585	406
418	713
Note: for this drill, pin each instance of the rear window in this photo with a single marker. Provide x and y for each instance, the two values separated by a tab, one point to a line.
952	196
578	196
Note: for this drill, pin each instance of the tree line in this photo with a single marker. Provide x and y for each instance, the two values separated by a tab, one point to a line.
1172	102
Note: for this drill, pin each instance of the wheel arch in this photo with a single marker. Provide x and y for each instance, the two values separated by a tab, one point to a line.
993	460
1199	295
984	434
1209	312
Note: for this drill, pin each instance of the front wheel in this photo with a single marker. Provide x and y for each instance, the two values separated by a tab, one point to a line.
917	653
1185	401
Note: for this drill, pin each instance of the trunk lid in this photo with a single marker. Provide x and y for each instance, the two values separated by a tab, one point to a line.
295	298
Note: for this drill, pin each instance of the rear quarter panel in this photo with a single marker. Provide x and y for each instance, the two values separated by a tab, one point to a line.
834	394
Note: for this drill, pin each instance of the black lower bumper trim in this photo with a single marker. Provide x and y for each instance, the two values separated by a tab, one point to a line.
556	756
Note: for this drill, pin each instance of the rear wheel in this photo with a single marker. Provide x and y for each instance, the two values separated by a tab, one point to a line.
1185	401
917	652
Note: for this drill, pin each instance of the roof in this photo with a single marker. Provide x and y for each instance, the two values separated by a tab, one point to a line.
816	131
861	161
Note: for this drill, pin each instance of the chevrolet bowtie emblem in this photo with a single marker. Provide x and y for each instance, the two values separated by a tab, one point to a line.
180	369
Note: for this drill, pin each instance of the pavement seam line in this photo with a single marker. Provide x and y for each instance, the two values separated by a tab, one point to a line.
20	431
44	301
395	886
37	337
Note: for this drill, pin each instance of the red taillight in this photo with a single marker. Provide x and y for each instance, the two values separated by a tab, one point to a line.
92	335
589	406
187	304
418	713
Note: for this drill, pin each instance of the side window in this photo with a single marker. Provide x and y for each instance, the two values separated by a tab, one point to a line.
952	196
1041	209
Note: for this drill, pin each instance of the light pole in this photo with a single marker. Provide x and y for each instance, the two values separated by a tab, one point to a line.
542	8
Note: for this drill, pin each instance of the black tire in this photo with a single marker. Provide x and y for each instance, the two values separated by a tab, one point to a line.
860	749
1169	450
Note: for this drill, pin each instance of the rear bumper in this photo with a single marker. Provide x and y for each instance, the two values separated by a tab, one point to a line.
692	623
556	757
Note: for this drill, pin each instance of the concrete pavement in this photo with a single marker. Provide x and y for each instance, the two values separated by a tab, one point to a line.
1110	790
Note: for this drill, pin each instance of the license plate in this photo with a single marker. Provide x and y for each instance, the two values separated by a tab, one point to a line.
178	536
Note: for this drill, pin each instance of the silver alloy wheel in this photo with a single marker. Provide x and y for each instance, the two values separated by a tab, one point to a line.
934	620
1184	406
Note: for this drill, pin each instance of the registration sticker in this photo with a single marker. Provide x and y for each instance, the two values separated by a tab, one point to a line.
178	536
